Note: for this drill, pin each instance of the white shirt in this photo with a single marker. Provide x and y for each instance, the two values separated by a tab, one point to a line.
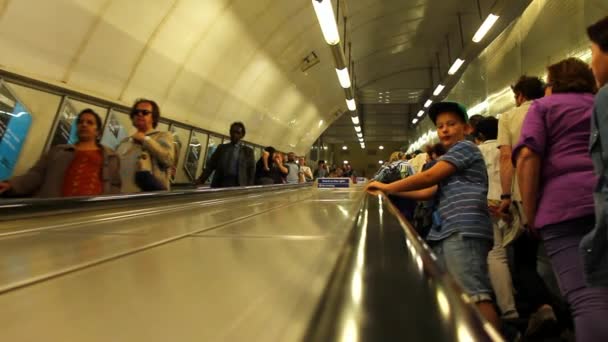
491	155
509	130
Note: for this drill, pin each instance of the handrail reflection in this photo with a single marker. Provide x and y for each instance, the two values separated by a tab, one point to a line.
386	285
35	206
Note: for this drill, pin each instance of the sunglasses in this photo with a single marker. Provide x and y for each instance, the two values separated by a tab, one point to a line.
143	112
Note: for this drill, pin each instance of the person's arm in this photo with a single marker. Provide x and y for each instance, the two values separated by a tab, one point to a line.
160	147
506	175
279	161
251	160
29	182
210	166
418	195
527	156
419	181
528	174
265	156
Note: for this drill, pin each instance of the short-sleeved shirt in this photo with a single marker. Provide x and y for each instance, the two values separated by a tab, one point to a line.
557	128
463	206
293	176
509	130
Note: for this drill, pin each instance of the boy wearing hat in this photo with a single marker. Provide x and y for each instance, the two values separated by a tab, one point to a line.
464	237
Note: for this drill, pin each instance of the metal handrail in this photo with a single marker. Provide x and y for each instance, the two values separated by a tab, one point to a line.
386	286
32	207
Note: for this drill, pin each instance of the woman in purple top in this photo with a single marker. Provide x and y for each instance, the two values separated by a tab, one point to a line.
556	180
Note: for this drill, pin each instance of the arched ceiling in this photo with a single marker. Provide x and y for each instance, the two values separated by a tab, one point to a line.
211	62
402	50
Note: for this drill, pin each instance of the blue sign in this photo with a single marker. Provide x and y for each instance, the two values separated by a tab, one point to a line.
334	182
14	126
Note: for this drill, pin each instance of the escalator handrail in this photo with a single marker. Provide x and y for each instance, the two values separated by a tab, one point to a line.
365	296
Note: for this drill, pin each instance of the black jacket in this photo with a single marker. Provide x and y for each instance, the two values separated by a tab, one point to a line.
220	163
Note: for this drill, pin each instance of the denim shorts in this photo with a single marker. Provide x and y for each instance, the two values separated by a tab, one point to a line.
465	258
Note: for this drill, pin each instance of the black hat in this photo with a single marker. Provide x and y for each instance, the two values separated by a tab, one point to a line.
451	107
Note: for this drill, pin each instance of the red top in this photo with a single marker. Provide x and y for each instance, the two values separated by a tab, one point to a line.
83	176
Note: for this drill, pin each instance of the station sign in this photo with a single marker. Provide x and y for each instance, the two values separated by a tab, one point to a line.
329	183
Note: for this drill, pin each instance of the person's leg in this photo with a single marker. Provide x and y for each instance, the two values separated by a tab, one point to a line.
500	276
589	305
531	288
466	260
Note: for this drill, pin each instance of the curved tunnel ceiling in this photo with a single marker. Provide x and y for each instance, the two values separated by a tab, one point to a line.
212	62
207	63
402	50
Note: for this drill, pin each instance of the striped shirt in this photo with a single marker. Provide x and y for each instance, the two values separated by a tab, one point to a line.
463	204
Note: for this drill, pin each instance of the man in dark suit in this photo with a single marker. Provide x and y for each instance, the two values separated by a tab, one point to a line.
233	163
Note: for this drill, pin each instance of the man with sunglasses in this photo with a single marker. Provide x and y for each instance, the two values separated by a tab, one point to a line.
146	152
232	164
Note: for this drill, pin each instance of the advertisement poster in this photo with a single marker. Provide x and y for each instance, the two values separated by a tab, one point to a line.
192	157
114	132
65	132
15	122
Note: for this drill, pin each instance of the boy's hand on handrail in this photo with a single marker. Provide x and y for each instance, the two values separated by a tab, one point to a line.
375	187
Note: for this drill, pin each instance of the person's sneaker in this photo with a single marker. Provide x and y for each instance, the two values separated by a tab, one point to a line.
542	322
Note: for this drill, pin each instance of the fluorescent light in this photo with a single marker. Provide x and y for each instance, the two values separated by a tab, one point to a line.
438	90
427	104
380	161
343	77
355	120
360	135
485	27
479	108
358	129
327	21
414	121
321	123
345	147
381	147
350	103
420	113
457	64
346	162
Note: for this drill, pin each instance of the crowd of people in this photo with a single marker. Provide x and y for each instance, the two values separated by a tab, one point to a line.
515	205
145	161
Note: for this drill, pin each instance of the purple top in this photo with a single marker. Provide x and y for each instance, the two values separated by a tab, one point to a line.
557	127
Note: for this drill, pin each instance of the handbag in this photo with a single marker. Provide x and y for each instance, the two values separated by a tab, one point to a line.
144	177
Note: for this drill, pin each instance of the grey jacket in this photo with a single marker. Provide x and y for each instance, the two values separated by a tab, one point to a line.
160	147
45	178
594	245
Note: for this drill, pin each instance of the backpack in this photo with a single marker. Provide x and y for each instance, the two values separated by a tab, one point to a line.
393	172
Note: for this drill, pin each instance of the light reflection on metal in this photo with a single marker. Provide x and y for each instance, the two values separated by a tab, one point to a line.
464	335
349	334
444	305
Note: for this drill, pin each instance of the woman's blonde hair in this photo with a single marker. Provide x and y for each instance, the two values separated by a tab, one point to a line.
395	156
